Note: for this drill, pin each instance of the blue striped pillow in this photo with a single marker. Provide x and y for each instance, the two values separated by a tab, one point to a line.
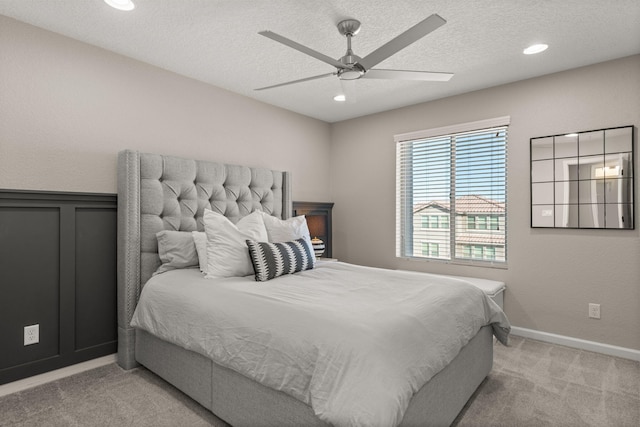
271	260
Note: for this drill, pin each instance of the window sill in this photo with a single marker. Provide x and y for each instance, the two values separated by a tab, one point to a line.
483	264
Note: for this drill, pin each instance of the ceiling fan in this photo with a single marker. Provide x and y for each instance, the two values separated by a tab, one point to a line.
352	67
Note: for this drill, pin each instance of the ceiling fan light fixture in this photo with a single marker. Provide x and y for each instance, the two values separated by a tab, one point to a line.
350	74
121	4
340	98
535	48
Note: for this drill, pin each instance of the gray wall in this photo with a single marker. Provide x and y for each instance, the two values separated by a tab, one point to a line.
552	274
67	108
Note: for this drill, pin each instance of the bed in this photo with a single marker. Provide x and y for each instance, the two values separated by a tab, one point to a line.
157	193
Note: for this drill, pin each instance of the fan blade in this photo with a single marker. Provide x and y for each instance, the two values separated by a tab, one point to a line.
427	76
395	45
297	46
297	81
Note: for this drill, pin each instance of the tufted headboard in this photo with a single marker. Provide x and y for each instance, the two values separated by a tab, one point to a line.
158	193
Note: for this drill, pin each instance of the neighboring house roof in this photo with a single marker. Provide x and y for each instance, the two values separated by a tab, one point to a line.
480	239
472	204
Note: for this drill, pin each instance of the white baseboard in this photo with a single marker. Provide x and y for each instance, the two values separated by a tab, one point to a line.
37	380
610	350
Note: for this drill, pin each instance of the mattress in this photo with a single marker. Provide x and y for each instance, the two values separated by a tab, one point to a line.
354	343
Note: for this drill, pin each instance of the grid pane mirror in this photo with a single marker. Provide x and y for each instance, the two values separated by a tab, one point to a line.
583	180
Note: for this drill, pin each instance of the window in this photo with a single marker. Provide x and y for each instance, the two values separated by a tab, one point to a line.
451	193
480	252
493	222
477	252
481	222
471	222
444	222
435	221
466	251
490	252
430	249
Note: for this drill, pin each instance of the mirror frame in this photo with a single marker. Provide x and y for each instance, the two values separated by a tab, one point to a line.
616	175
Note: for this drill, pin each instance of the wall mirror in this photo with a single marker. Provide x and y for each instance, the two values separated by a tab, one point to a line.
583	179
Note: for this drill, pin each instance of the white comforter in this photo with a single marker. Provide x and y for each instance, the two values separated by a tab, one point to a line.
355	343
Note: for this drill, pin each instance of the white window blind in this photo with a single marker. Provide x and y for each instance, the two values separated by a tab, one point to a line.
456	178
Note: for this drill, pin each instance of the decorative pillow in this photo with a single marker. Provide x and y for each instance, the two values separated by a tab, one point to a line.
285	230
271	260
227	254
200	240
176	250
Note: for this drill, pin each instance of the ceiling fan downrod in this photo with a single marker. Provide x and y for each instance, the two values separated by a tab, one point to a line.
349	28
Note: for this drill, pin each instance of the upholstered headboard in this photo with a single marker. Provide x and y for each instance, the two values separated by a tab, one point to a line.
158	193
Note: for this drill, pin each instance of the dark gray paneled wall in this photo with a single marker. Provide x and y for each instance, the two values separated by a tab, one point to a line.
58	270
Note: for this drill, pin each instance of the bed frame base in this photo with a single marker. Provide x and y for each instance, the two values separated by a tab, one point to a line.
241	401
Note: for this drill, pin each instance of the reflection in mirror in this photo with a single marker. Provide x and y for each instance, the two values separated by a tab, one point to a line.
618	215
542	193
591	216
542	171
542	215
566	216
585	181
589	165
618	140
591	191
566	145
567	169
591	143
566	192
624	193
542	149
618	164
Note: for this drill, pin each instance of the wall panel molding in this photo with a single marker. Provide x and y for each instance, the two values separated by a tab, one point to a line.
57	270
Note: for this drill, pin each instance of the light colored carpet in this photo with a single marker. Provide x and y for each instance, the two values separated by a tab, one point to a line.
538	384
532	384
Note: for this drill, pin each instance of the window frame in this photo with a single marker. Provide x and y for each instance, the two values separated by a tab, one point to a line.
491	221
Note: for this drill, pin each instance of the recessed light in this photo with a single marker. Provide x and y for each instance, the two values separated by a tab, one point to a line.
571	135
121	4
535	48
340	98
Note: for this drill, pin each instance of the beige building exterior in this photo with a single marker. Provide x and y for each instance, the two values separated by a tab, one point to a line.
479	229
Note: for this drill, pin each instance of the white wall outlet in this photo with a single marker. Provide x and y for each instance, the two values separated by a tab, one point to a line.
594	311
31	334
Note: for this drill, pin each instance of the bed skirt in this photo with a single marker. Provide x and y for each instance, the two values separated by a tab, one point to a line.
241	401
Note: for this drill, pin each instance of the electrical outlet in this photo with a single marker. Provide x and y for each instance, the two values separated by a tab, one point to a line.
31	334
594	311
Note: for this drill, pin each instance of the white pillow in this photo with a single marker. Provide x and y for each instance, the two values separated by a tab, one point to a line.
176	250
227	252
200	240
285	230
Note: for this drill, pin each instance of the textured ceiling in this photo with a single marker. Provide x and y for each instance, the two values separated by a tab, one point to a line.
217	41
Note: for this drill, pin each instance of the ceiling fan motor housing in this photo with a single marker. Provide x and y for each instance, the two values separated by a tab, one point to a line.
355	72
